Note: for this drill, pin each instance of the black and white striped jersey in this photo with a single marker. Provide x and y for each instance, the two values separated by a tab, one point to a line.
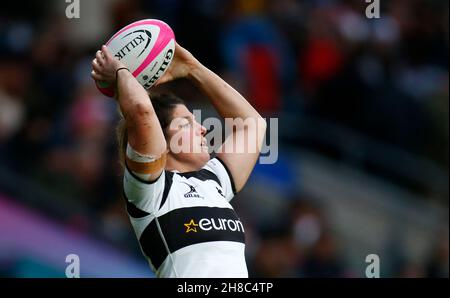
185	224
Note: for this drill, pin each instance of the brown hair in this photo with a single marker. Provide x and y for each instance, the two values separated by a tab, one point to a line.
163	104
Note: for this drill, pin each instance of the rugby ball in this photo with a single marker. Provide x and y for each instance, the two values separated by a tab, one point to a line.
146	47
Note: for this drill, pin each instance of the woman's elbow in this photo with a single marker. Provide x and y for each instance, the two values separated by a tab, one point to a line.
143	111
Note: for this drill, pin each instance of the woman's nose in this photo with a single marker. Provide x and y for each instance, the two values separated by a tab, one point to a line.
202	129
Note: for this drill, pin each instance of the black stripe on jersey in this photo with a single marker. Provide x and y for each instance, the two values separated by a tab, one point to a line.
167	186
233	187
202	175
186	226
132	210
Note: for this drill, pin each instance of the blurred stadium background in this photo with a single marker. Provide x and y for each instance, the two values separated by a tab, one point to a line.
363	134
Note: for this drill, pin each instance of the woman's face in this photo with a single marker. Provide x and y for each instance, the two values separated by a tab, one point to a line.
187	142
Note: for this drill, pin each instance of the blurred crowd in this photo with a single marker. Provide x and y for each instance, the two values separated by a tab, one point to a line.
303	243
386	78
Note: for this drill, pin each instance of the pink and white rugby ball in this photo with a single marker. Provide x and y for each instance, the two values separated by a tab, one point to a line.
146	47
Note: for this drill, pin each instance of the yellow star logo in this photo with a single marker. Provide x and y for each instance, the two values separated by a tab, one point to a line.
191	226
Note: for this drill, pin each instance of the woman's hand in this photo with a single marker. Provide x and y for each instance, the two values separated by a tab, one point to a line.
104	66
182	65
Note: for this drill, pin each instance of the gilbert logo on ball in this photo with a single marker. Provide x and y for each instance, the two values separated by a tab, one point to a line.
146	47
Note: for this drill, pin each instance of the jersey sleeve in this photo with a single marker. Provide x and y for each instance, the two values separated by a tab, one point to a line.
218	167
144	195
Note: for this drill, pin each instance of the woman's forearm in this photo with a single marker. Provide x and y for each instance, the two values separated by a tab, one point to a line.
142	122
227	101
